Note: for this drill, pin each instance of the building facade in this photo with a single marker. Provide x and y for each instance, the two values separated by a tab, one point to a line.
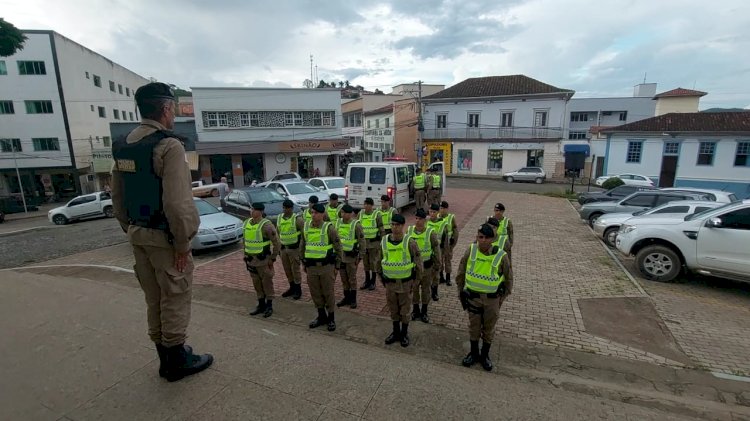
379	127
491	125
57	99
251	134
708	150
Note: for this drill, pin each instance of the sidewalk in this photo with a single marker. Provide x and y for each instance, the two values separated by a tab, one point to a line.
41	213
69	356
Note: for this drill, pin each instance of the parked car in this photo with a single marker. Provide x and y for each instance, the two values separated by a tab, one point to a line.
714	242
281	177
238	202
297	191
535	174
607	225
216	228
205	190
629	179
329	185
83	207
635	202
610	195
14	204
714	195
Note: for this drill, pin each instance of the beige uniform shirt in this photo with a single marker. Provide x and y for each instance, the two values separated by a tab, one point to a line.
170	163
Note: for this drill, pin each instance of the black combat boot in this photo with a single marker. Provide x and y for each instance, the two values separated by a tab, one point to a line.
346	300
442	278
473	356
297	291
162	351
366	285
425	318
485	359
290	291
448	279
404	334
269	309
435	295
181	362
353	298
415	312
373	279
331	322
395	335
320	320
261	307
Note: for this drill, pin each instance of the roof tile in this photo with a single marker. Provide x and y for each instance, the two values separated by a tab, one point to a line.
494	86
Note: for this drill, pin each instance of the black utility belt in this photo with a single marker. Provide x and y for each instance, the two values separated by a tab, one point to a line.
324	262
290	246
427	264
373	239
388	280
473	294
251	257
353	253
151	225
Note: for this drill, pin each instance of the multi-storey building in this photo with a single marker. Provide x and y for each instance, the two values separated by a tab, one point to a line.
57	99
379	132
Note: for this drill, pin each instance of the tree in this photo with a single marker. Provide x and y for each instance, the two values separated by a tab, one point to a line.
346	83
307	84
341	85
379	92
612	182
322	84
11	39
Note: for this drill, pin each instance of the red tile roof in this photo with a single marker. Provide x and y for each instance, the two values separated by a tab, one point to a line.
689	122
680	92
382	110
495	86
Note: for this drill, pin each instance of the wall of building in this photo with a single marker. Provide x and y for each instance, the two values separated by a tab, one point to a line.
515	156
681	104
405	134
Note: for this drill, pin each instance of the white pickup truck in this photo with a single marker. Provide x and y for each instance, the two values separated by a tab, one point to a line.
87	206
715	242
205	190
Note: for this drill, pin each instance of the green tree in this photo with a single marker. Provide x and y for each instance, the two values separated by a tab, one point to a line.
612	182
341	84
11	39
322	84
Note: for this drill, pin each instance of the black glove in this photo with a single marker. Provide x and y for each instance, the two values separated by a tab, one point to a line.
463	296
453	242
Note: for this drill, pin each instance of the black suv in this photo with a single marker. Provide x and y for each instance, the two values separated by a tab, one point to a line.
616	193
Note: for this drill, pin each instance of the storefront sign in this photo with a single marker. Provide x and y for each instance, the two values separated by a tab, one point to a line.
313	145
513	145
102	160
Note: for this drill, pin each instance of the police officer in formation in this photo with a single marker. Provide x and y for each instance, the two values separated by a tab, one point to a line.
321	251
484	281
372	225
290	227
420	189
435	188
307	213
438	226
448	241
401	265
505	227
386	213
353	246
333	210
259	235
153	203
500	241
429	249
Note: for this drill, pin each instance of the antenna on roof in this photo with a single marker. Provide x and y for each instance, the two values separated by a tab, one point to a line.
644	76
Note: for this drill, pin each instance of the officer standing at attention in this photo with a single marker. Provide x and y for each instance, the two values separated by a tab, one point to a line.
290	228
500	241
333	210
429	249
505	227
420	189
321	249
259	235
386	213
450	230
484	281
438	226
436	189
153	203
353	246
372	225
401	265
307	213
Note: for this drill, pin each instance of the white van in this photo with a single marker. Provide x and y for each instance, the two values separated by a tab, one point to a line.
374	179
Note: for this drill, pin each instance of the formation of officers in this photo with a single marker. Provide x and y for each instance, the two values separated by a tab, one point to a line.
410	262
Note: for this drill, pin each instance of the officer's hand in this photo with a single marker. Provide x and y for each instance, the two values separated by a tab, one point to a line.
181	260
463	296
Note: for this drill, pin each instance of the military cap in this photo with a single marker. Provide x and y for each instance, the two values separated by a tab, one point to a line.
288	204
313	199
499	206
334	196
398	219
434	206
347	209
319	208
493	222
486	230
369	201
444	204
259	206
154	90
421	213
385	198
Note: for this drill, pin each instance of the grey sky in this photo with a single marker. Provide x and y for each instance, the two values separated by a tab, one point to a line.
598	48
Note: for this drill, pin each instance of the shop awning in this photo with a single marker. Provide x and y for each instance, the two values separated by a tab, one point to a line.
573	148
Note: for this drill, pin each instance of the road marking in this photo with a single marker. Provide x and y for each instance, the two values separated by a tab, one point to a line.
41	227
218	258
731	377
113	268
269	332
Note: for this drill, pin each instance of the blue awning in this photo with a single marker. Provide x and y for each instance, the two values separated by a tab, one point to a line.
572	148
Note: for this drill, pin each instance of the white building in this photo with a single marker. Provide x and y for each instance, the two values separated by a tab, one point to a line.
709	150
255	133
57	99
496	124
379	132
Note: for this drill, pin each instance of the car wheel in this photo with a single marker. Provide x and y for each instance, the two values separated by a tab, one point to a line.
538	180
658	263
592	218
109	212
509	179
59	219
215	193
610	235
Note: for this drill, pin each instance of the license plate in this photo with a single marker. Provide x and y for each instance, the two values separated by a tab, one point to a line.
228	237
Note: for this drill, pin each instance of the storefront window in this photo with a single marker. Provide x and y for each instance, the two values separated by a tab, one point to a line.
464	160
494	160
535	158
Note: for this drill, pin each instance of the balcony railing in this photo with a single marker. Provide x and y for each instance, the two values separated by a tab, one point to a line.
494	133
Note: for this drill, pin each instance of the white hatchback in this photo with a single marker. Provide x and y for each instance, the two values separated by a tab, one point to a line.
629	179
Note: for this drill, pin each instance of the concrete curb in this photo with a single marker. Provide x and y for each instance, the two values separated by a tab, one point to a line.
10	233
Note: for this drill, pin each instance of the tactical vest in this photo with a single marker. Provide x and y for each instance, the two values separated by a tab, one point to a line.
369	224
254	242
500	241
448	225
288	234
317	246
436	180
347	234
396	263
333	213
423	242
419	182
385	218
482	271
307	215
141	188
437	226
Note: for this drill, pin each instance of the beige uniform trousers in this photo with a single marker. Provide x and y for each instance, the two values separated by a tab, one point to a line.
262	276
420	196
290	260
348	273
436	196
483	313
320	280
421	288
398	296
372	256
447	256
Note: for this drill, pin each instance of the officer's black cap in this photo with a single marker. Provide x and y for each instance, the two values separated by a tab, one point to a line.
434	206
154	90
419	170
493	222
259	206
499	206
385	198
398	219
421	213
288	204
334	196
444	204
486	230
347	209
369	201
318	208
313	199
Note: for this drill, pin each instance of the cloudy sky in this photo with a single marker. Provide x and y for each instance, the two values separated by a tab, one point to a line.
596	47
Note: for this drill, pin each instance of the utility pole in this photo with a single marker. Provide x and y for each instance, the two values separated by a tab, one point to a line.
311	71
420	125
18	174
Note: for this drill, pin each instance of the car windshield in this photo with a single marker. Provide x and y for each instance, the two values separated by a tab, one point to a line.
705	212
205	208
300	188
335	183
265	196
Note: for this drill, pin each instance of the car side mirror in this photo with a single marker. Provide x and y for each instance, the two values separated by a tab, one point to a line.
714	223
220	209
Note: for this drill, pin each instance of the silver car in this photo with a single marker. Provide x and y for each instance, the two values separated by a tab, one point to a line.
217	228
713	195
297	191
635	202
535	174
607	225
